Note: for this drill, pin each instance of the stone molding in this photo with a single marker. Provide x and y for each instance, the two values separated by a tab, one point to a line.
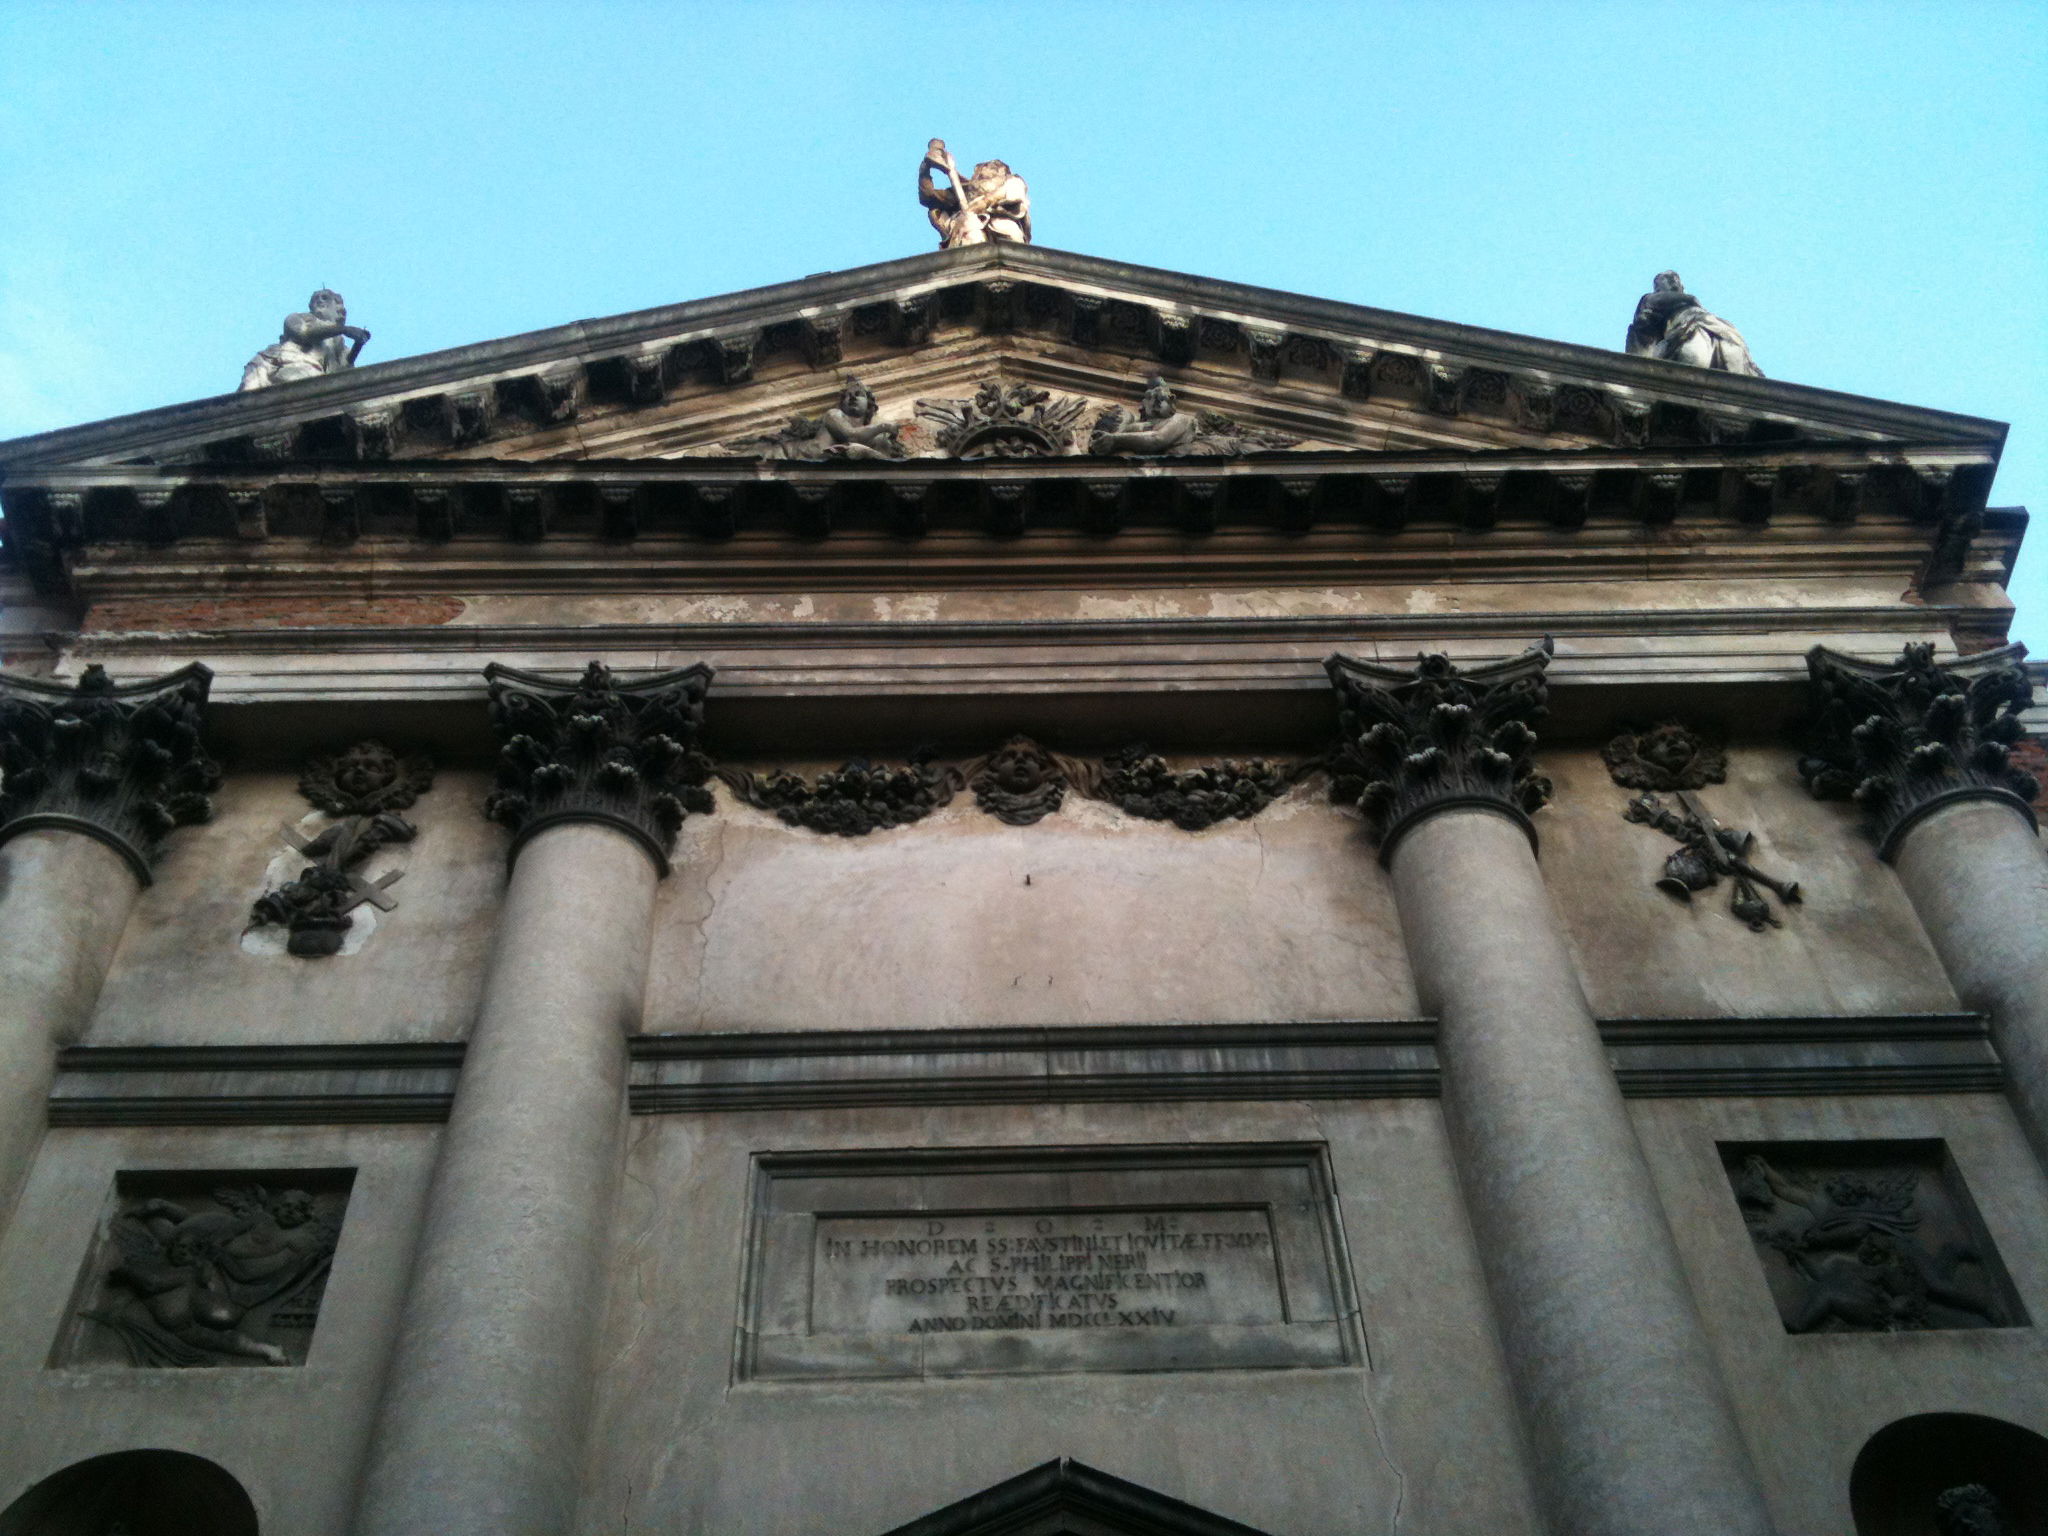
1119	1063
1904	738
122	763
1065	1495
618	754
1435	737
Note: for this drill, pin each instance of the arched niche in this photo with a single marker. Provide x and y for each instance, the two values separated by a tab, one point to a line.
133	1493
1902	1471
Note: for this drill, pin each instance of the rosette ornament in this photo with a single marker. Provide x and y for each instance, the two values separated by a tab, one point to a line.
122	763
621	754
1904	738
1434	737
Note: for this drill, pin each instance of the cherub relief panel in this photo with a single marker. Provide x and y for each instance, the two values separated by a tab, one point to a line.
208	1269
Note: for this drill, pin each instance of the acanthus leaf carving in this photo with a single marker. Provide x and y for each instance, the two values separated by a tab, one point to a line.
123	764
622	754
1904	738
1417	741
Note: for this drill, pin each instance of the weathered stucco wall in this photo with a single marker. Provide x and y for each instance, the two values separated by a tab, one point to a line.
1809	1402
184	975
678	1445
292	1435
1852	945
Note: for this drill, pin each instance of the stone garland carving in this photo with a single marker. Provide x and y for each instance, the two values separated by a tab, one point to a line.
623	754
1904	738
992	204
1141	784
1851	1239
1020	783
847	430
1665	757
366	787
1160	428
122	764
1005	421
1969	1509
1707	852
1670	323
1413	742
231	1280
318	340
852	801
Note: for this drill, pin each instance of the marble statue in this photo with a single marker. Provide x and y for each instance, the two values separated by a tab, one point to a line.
1160	428
318	341
1670	323
992	204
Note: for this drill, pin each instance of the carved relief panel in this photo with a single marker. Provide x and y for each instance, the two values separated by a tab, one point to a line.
1869	1237
207	1269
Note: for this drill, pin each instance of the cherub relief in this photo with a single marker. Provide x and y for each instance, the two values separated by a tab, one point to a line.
189	1280
846	430
1161	428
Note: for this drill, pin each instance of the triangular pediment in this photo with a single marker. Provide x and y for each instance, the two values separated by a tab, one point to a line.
1065	1498
679	382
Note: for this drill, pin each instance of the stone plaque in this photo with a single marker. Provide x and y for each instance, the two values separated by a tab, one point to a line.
942	1263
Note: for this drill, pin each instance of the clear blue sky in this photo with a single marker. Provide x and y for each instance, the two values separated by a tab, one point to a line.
1859	187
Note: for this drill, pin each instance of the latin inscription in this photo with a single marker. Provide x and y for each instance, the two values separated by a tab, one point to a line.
981	1272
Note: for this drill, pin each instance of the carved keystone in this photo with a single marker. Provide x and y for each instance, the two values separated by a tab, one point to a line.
621	754
1435	737
1904	738
122	764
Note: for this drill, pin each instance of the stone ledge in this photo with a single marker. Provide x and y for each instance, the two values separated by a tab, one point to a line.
678	1074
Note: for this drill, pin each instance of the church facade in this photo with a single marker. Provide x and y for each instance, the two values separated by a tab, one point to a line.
1006	892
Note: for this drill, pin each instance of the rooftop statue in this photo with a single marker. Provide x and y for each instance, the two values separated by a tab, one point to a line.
1670	323
316	342
1161	428
992	204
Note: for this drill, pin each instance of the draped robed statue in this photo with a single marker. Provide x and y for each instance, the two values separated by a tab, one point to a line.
992	204
1670	323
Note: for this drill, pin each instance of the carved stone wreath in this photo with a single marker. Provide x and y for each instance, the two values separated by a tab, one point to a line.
1005	421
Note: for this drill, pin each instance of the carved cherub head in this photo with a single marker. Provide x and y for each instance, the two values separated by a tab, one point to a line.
291	1208
1157	402
1969	1509
326	305
1021	765
857	401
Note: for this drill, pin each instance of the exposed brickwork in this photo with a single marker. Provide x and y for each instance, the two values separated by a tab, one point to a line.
183	615
2032	756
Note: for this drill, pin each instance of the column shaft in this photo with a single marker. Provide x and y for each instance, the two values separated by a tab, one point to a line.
481	1426
1629	1425
1978	876
64	899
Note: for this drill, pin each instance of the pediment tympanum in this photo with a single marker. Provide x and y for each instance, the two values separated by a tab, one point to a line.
1065	1498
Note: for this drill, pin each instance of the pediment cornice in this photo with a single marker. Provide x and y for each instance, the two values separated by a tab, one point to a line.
546	392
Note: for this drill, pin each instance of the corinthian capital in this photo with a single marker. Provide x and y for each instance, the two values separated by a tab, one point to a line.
1425	739
119	763
1903	738
623	754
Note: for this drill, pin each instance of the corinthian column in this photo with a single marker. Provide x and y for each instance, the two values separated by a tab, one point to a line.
1627	1419
481	1425
91	778
1923	749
